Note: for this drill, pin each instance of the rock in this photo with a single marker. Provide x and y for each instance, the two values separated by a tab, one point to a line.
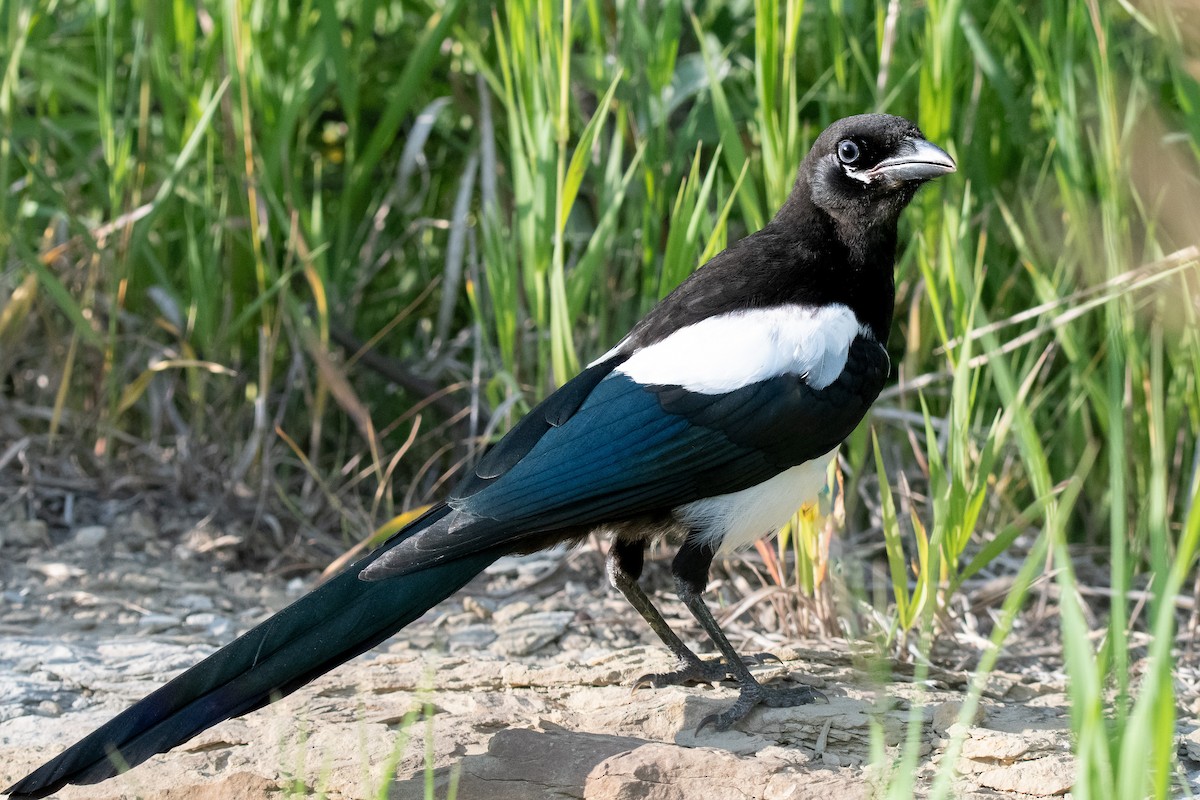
478	607
89	537
531	701
57	572
153	623
1189	745
660	771
996	747
214	625
531	632
472	637
946	714
134	530
25	533
1041	777
510	611
238	786
522	763
195	602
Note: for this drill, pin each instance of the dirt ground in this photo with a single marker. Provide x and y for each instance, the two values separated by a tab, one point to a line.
517	687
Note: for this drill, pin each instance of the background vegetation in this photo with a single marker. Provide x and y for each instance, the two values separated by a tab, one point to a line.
313	253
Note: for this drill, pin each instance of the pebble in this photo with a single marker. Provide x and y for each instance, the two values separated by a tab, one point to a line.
472	637
1190	745
194	602
136	529
89	537
531	632
946	714
57	571
213	624
25	533
473	605
507	613
49	708
14	597
153	623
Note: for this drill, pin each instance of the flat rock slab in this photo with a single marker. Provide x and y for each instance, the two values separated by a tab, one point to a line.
517	688
498	729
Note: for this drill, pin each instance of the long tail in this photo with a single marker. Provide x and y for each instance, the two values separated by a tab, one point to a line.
313	635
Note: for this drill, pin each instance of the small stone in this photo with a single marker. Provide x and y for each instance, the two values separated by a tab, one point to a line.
153	623
472	606
946	715
531	632
135	529
992	747
1190	745
213	624
89	537
25	533
507	613
49	708
472	637
1020	693
194	602
57	571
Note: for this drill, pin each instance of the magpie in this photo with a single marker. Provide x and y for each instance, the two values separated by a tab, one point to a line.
705	427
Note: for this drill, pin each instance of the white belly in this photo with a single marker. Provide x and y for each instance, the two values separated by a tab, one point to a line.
742	518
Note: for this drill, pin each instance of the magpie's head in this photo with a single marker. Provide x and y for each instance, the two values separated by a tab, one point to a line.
864	170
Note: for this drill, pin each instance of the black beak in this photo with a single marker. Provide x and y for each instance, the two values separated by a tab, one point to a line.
915	160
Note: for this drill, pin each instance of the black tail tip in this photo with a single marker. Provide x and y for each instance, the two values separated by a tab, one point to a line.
18	791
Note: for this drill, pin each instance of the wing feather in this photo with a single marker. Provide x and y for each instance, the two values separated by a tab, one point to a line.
629	449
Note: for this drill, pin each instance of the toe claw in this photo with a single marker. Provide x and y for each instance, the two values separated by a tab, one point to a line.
752	695
761	659
791	696
647	681
711	672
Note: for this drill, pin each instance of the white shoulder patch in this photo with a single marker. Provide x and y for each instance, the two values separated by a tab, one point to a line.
729	351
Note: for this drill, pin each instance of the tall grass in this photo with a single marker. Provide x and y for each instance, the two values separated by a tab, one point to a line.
194	197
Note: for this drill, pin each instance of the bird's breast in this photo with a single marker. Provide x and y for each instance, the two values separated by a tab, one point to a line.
730	521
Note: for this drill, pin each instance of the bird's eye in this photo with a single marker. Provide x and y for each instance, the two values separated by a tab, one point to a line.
847	151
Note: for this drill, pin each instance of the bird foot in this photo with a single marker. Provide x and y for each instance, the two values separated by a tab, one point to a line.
756	694
712	670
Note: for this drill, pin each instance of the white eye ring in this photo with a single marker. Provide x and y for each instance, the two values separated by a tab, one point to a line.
847	151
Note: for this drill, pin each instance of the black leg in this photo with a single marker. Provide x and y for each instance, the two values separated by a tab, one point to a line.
691	577
625	561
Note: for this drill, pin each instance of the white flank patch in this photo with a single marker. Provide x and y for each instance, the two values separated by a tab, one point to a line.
742	518
729	351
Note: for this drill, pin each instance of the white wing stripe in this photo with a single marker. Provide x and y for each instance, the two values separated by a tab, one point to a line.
726	352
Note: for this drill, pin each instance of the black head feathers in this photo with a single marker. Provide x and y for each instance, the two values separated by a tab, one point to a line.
863	170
